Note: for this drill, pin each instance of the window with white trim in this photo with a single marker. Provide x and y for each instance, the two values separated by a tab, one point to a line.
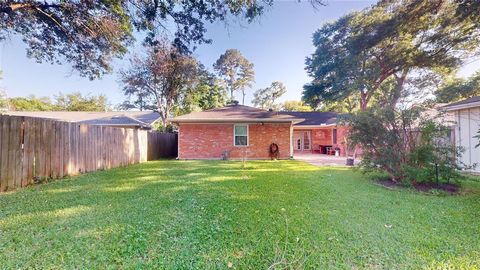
240	135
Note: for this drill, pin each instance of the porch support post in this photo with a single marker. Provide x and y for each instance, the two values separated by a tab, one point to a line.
291	140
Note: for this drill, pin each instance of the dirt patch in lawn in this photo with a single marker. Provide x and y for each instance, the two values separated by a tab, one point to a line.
449	188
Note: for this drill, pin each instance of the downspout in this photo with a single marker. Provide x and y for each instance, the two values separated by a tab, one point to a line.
178	142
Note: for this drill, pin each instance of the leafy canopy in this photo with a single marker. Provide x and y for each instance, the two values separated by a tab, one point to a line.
89	34
206	94
295	106
265	98
391	41
62	102
459	88
77	102
160	79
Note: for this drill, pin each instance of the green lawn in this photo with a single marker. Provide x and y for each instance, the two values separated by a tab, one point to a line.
213	214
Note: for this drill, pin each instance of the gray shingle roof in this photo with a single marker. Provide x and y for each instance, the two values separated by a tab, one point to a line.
116	120
125	118
315	118
235	113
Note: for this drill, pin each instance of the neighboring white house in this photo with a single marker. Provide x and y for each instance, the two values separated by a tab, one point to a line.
467	118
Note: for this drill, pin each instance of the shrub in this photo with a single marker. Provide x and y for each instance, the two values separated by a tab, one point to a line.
404	143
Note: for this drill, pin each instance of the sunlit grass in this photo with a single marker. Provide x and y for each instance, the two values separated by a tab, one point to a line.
214	214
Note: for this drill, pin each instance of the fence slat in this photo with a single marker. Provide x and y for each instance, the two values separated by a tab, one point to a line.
4	154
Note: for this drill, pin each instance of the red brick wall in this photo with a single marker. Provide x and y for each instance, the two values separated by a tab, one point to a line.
209	141
321	136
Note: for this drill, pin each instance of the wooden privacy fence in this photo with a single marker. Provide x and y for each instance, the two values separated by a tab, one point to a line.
162	145
33	148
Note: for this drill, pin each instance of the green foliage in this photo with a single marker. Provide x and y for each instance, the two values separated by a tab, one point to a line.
409	146
265	98
295	106
160	80
89	34
86	34
388	42
3	101
459	88
77	102
348	105
236	71
206	94
434	156
31	103
206	214
63	102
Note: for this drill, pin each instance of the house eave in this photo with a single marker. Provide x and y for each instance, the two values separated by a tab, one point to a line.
314	126
462	106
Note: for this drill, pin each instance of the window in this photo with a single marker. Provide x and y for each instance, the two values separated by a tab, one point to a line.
240	135
334	136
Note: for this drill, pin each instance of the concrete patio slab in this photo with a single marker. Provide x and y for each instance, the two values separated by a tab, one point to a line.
322	160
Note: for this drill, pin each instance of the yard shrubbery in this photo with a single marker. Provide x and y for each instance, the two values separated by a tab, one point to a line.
411	146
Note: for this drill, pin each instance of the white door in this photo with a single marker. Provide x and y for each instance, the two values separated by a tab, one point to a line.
297	140
301	140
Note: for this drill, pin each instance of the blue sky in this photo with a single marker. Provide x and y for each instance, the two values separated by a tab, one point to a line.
277	44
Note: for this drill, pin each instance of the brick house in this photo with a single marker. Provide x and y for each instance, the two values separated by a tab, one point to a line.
238	131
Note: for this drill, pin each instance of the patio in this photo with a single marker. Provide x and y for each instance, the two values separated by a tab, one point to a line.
321	159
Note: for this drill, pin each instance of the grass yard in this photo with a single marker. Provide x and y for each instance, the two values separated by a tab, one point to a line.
212	214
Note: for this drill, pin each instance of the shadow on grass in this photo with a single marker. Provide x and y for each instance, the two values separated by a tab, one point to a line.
201	214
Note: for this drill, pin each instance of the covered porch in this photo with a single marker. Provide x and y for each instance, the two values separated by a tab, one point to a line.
320	140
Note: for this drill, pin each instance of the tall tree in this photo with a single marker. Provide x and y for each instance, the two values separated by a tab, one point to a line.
266	97
160	79
236	71
88	34
391	41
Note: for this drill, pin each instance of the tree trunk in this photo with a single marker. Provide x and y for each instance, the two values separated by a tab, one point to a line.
398	88
363	101
243	97
232	81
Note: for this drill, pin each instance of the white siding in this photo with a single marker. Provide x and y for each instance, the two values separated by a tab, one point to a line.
468	123
474	127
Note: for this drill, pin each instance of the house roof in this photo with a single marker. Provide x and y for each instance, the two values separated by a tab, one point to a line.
315	118
121	118
464	104
236	113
